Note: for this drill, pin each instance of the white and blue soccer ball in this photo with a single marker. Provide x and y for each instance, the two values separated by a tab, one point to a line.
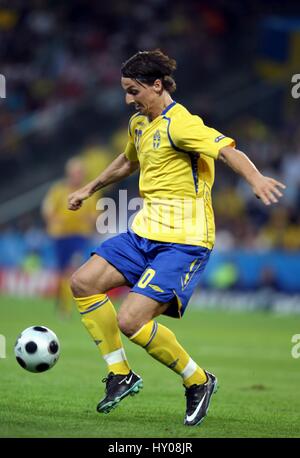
37	349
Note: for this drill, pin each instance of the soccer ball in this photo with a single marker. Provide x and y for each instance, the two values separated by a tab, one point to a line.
37	349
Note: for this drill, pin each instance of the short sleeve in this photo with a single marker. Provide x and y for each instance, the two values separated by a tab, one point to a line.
130	152
192	135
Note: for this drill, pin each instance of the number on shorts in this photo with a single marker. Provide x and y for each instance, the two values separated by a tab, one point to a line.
146	278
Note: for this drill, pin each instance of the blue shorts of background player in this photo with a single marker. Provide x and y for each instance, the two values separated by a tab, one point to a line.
166	272
68	247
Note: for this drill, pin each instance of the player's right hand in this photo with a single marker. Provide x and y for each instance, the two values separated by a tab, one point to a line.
75	200
267	189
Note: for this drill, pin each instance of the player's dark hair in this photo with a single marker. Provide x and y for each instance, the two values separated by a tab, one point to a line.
148	66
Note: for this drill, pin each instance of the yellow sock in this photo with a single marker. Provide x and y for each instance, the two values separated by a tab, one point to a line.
65	299
99	317
162	345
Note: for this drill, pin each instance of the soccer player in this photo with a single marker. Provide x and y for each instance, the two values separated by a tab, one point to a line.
165	251
70	233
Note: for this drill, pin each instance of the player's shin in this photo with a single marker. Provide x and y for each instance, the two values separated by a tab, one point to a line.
161	344
99	317
64	299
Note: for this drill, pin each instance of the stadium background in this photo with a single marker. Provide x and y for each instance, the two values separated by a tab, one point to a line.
61	61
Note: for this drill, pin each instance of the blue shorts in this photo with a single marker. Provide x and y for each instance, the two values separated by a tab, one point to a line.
166	272
66	248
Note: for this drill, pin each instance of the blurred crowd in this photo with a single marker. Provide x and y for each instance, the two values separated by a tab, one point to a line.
242	220
56	54
60	55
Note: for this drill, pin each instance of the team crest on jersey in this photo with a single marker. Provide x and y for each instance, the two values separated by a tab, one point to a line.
156	140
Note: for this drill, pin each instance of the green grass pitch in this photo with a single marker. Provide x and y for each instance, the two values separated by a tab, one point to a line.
259	394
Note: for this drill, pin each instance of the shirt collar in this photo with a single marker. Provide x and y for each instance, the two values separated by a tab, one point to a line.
168	108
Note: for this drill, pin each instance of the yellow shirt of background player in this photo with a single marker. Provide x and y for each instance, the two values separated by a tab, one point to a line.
65	223
176	152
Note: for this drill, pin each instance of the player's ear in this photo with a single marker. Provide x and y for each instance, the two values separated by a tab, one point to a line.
157	85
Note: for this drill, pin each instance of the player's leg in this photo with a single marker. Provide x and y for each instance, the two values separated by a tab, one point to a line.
136	321
89	285
168	282
70	253
64	300
63	292
110	267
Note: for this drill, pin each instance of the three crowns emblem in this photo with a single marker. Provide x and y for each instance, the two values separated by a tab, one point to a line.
156	140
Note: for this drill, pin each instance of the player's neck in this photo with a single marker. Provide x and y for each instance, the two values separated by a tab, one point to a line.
162	104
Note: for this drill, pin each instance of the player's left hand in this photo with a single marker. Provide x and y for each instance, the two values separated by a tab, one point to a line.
75	200
266	189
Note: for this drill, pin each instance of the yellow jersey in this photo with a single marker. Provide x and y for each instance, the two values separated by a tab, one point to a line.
176	153
63	222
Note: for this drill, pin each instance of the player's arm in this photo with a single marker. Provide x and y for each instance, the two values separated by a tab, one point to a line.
120	168
265	188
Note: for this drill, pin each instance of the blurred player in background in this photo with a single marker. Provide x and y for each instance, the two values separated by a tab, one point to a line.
95	156
70	232
161	259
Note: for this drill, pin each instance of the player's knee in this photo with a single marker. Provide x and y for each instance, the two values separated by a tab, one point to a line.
126	325
79	285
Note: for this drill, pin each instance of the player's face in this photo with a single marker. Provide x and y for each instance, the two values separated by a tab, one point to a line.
143	97
75	174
